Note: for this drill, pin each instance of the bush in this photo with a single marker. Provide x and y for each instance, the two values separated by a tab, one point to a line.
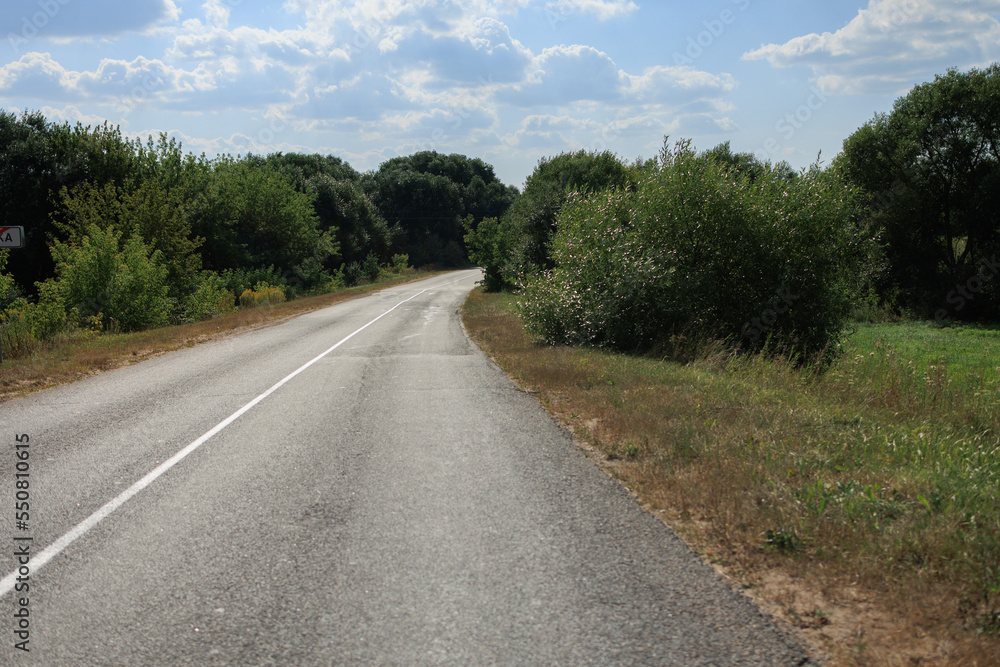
262	295
17	335
400	263
350	274
209	299
238	281
371	269
701	251
491	246
117	286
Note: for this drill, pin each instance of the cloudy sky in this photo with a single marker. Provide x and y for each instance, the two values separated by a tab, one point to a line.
509	81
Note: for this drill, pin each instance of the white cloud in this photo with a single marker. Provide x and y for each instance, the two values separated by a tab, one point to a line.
565	74
677	85
893	44
38	76
366	97
481	53
602	9
217	12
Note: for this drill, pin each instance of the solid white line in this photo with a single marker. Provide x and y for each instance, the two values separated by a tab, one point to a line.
80	529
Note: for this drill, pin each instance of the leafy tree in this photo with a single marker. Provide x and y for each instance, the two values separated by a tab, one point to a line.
302	168
37	160
517	245
344	209
535	212
491	245
152	213
429	195
931	169
747	164
252	217
116	284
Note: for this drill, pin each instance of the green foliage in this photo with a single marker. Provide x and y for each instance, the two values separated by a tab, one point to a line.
400	262
111	284
209	299
302	169
37	160
702	251
533	216
17	330
429	195
346	211
252	216
17	338
238	281
931	170
262	295
152	213
350	274
370	269
491	245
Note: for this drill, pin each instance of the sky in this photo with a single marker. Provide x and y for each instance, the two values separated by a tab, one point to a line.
507	81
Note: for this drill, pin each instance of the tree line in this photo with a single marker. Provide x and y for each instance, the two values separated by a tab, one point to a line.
700	247
122	234
688	246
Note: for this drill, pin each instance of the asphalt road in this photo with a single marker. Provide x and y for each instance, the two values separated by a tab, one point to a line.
396	502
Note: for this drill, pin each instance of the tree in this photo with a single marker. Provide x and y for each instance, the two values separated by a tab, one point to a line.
931	169
535	212
252	217
117	283
359	228
695	252
429	195
302	168
37	160
152	213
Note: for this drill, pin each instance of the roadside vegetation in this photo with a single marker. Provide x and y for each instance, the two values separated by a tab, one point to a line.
123	236
76	353
860	502
799	370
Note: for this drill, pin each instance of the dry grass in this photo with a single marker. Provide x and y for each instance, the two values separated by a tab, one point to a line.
860	504
84	353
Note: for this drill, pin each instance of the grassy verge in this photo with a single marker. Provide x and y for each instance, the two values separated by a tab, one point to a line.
861	504
82	353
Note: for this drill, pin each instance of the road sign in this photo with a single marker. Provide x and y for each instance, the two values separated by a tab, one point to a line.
11	237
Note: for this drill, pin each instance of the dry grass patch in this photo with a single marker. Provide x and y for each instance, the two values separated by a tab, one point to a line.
859	504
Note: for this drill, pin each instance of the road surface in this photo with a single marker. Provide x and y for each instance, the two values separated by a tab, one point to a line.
356	486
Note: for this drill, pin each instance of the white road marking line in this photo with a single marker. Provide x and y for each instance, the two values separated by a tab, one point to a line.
81	529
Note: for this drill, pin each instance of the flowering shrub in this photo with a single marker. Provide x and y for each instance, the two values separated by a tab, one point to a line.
701	250
262	295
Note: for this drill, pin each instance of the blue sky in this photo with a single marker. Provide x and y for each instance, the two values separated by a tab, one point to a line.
509	81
